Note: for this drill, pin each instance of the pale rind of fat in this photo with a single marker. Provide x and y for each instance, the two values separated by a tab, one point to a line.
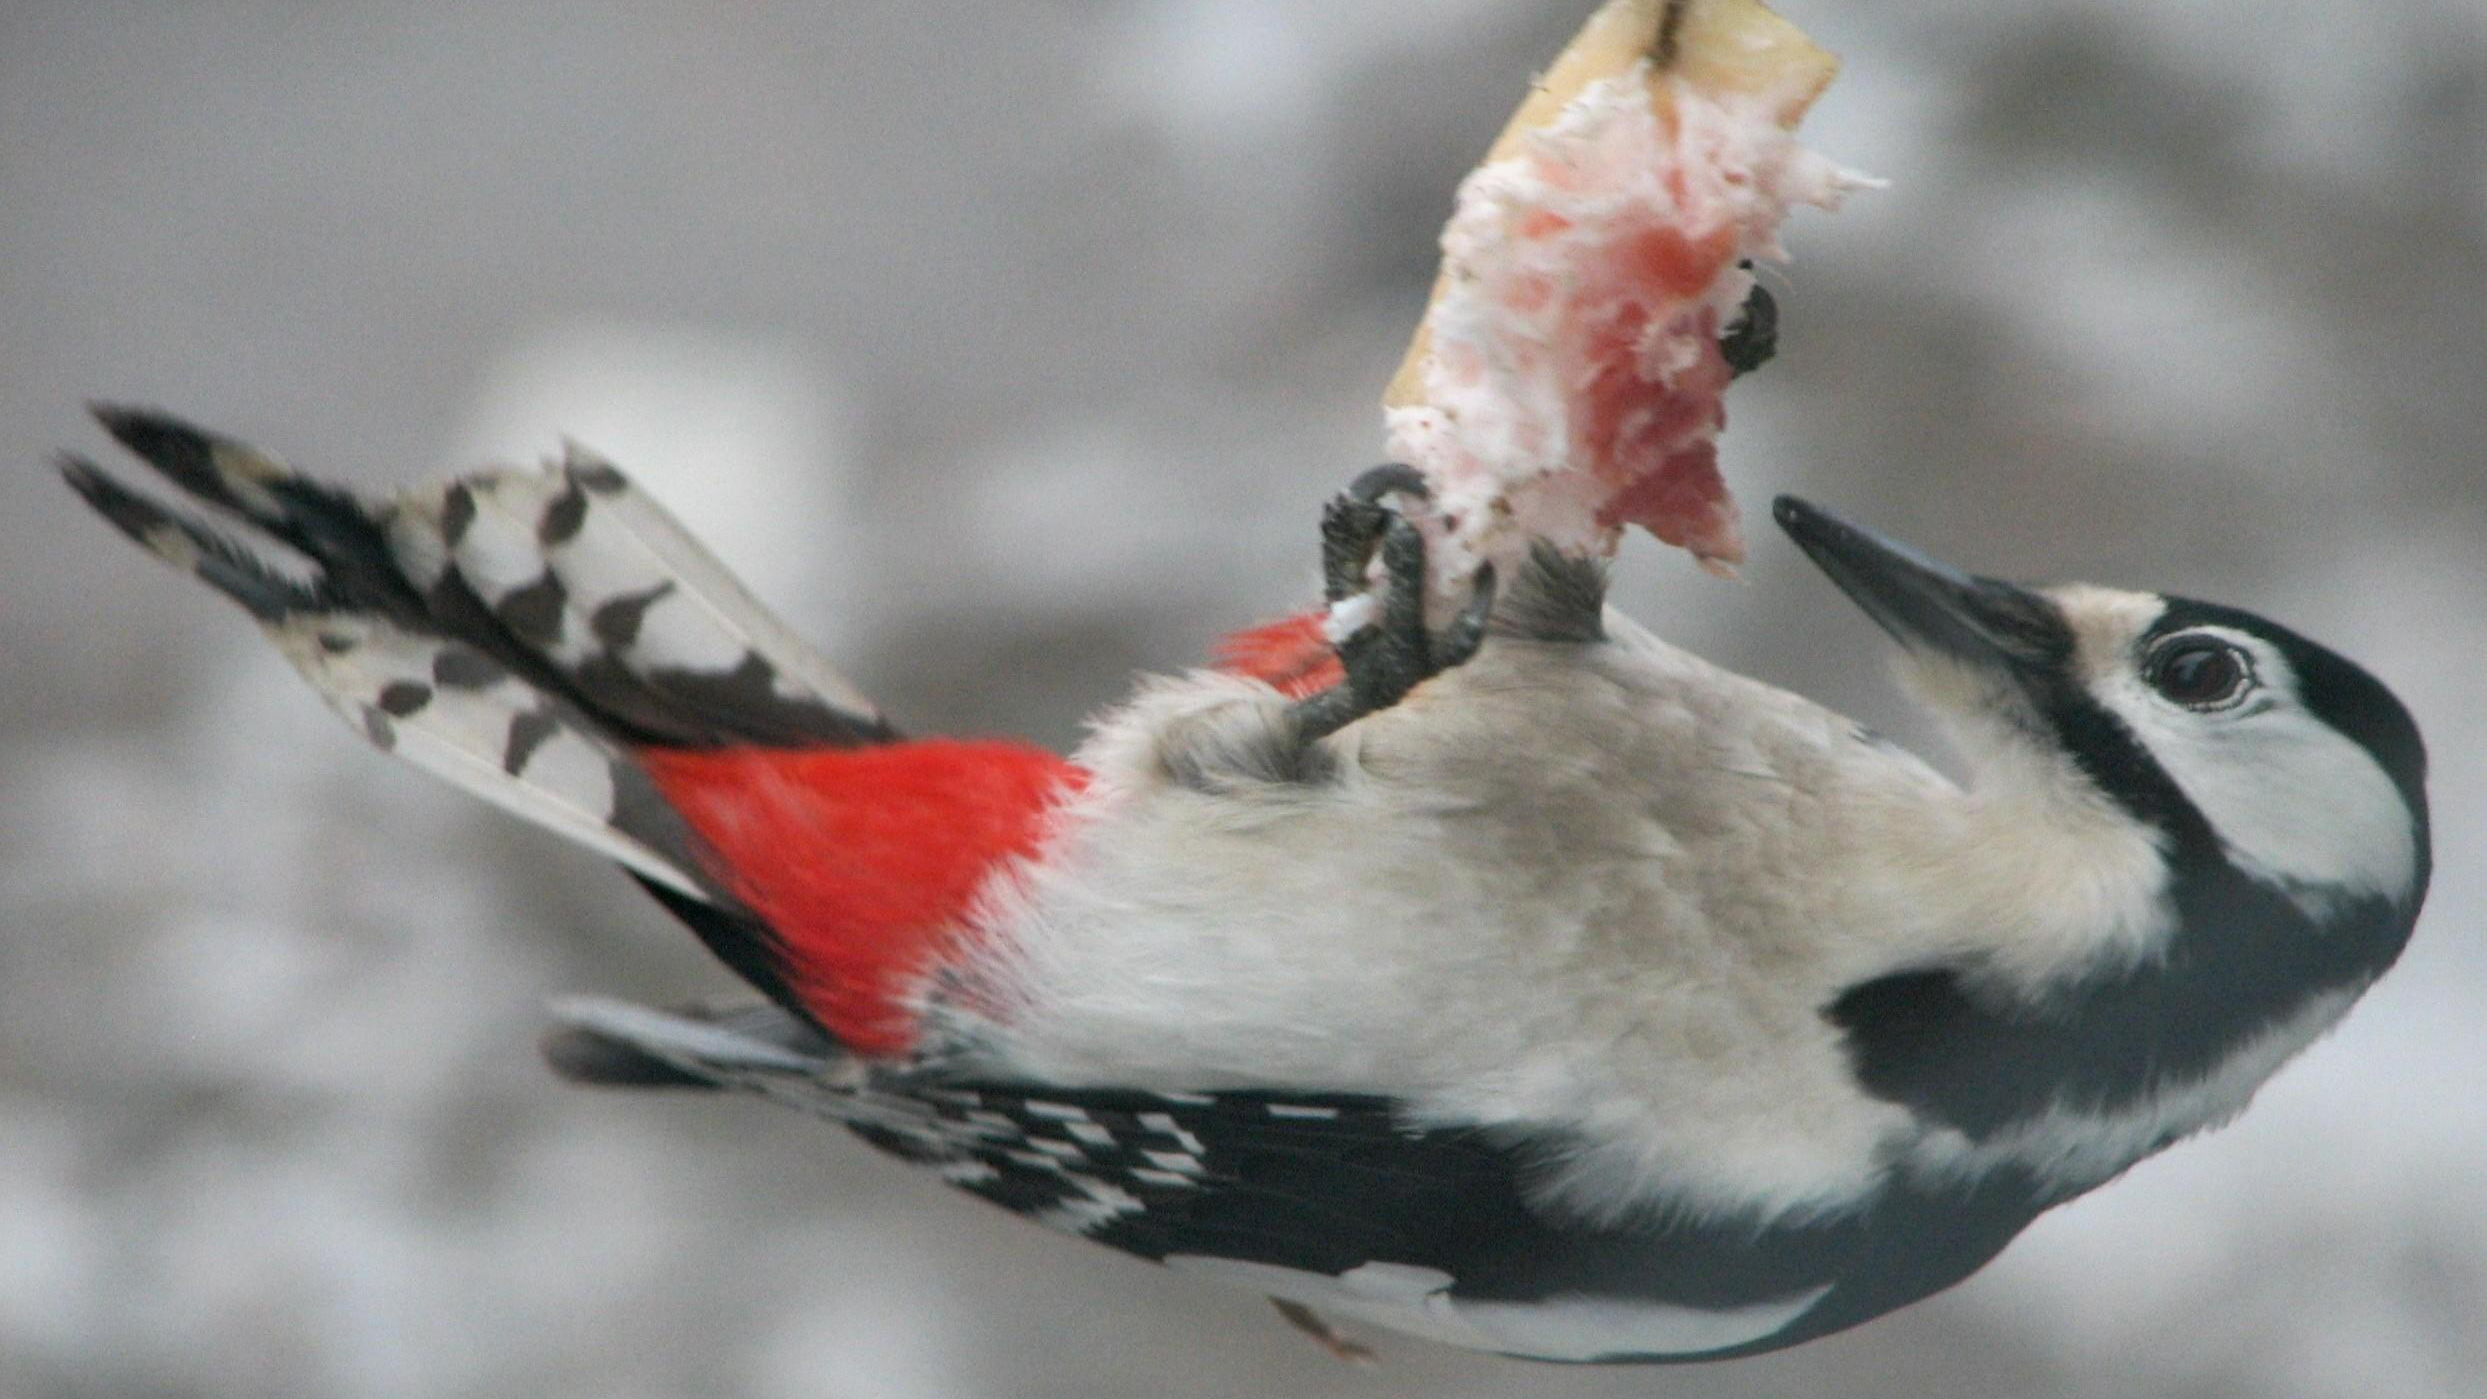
1615	141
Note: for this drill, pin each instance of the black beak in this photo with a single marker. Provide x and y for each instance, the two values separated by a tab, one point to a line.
1929	606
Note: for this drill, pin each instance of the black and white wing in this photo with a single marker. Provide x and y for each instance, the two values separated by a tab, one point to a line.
1332	1201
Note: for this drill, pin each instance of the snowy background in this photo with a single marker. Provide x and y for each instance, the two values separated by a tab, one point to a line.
1010	348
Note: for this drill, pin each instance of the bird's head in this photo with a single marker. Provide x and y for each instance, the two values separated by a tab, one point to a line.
2234	740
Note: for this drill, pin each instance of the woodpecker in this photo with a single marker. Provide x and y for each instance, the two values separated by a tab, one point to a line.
1529	985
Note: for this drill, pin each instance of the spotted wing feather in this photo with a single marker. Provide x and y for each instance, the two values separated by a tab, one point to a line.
1339	1203
1300	1177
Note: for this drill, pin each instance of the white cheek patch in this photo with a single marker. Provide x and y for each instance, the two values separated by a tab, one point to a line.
1417	1302
2297	804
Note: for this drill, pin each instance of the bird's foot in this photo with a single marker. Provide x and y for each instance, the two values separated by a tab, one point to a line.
1390	652
1752	338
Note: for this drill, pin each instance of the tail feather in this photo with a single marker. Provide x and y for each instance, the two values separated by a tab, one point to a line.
517	632
752	1049
183	542
325	525
553	641
758	1049
442	705
650	630
621	1045
453	712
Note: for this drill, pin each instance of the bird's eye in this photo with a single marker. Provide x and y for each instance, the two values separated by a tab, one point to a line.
2200	672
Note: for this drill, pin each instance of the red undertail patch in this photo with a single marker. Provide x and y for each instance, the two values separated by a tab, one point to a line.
1292	653
863	860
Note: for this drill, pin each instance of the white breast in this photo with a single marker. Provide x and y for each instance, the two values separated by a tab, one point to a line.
1608	897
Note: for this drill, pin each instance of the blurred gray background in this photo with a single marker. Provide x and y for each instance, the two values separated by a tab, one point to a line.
1010	349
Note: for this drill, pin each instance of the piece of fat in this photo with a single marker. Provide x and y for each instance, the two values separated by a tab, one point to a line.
1566	380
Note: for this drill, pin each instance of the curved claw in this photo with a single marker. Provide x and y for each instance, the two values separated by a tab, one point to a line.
1393	653
1389	477
1356	521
